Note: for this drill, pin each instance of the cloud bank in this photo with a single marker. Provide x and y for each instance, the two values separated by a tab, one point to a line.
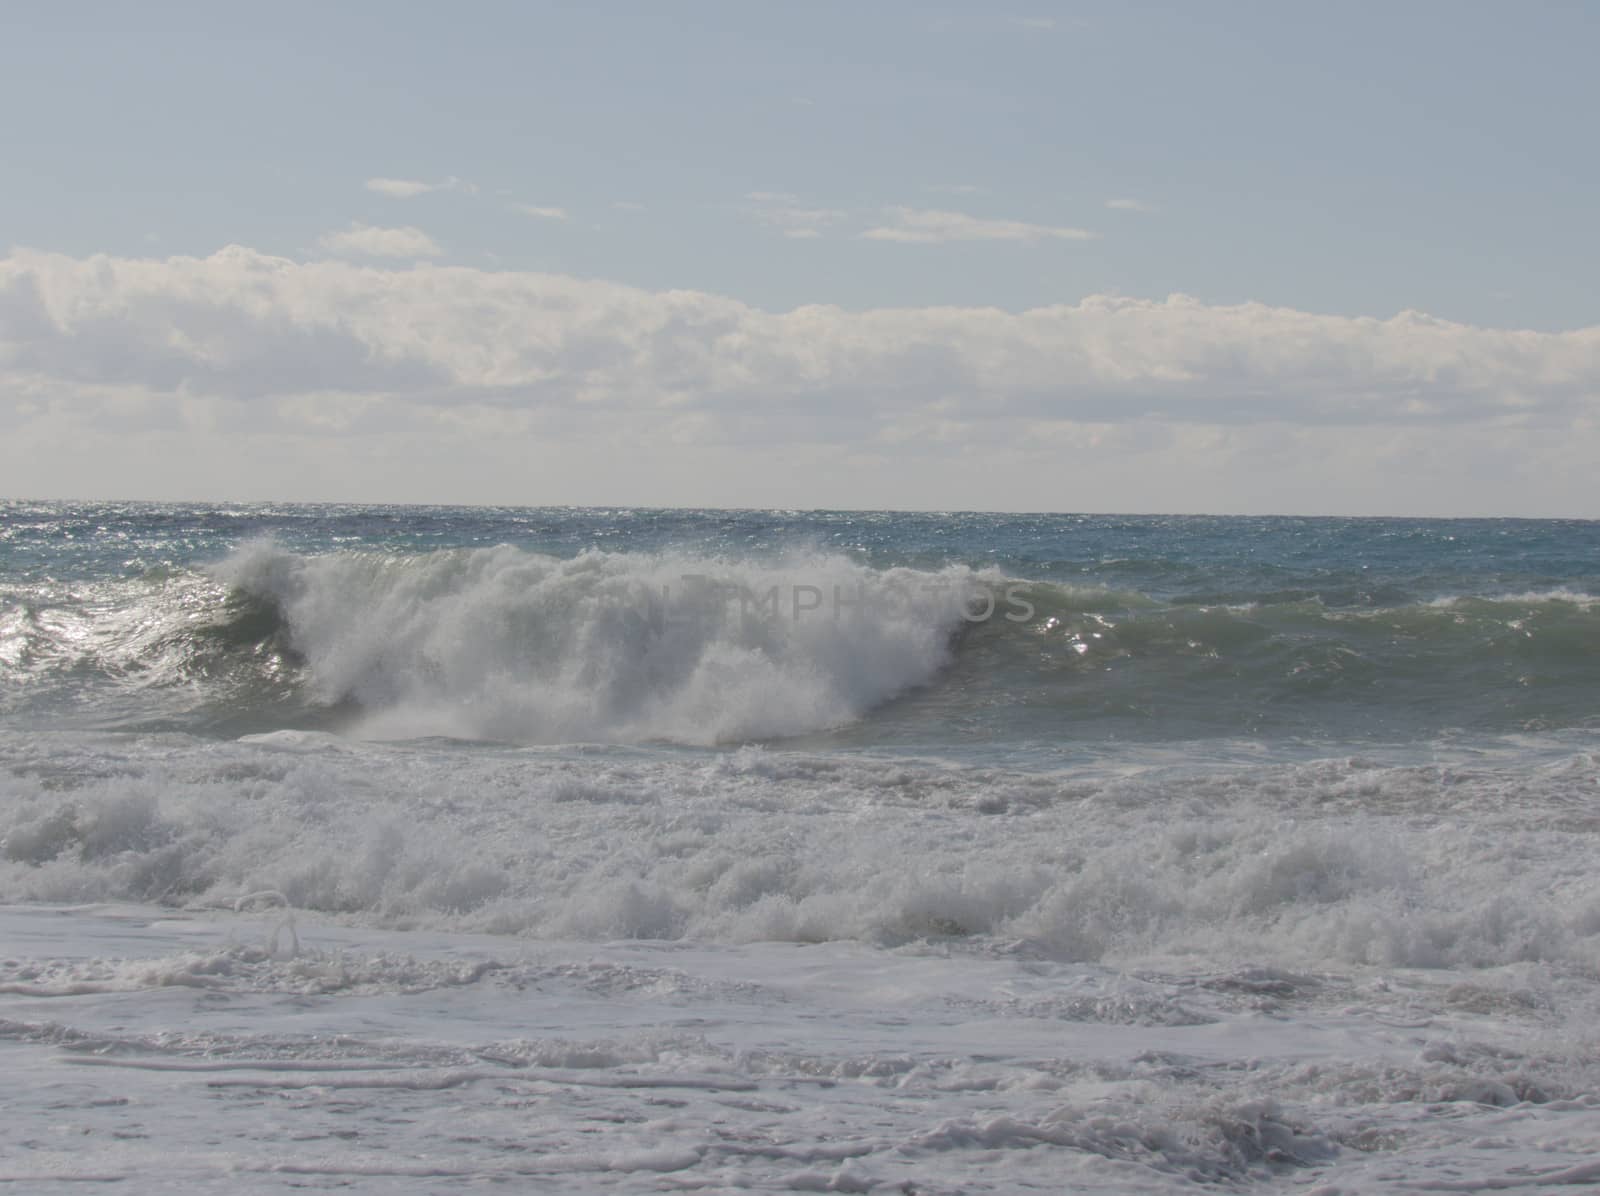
473	385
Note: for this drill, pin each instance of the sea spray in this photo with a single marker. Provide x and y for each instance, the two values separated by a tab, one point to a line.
503	644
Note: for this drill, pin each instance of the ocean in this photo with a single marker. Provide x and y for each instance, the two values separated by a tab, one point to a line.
407	848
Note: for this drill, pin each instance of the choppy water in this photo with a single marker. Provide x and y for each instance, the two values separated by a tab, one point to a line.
1302	760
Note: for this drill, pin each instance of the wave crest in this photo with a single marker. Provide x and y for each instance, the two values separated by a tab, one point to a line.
505	644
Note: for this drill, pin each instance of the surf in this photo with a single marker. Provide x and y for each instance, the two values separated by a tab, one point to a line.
505	644
705	647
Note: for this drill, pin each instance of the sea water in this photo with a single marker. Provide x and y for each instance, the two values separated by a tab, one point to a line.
726	851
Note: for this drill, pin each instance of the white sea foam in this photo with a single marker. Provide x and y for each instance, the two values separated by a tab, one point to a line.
1339	861
401	1061
775	971
1562	595
504	644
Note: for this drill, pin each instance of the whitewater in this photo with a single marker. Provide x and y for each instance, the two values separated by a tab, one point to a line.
402	849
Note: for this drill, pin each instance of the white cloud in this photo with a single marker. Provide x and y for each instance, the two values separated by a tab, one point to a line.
926	226
410	188
1038	24
790	216
627	205
400	188
370	241
542	213
242	370
1130	205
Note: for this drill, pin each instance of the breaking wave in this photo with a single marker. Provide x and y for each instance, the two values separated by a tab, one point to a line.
499	643
510	645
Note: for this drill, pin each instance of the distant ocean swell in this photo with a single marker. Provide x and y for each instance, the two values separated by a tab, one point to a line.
510	645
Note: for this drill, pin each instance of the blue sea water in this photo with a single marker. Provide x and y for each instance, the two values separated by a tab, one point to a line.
982	634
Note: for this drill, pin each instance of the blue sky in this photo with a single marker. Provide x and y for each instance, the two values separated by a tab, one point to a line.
1354	161
1359	159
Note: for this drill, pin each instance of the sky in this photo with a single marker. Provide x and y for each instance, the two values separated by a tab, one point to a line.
1231	258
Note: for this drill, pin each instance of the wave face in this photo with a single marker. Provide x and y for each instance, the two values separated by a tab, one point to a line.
1125	665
